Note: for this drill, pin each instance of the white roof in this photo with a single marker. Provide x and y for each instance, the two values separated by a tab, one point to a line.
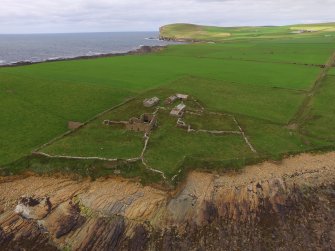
175	112
182	96
180	107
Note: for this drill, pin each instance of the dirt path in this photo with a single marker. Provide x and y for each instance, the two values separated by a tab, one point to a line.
305	106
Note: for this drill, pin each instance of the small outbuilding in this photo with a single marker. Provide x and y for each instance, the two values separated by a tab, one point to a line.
170	100
151	102
182	96
178	111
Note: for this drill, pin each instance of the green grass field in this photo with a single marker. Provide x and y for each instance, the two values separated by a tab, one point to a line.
321	118
218	34
262	81
168	145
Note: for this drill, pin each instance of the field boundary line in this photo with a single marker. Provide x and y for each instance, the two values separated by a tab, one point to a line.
304	106
146	142
141	158
245	137
73	157
215	131
130	160
240	132
83	124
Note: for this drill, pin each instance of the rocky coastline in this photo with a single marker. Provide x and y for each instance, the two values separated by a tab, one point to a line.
269	206
179	40
141	50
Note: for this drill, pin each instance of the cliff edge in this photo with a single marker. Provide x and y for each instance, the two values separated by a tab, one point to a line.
282	206
192	33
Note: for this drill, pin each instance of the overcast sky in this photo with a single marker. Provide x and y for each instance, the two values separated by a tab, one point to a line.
50	16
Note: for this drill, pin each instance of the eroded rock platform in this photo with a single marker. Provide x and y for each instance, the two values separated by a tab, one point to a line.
270	206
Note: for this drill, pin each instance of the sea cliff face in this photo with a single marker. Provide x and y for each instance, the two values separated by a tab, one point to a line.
167	36
179	40
271	206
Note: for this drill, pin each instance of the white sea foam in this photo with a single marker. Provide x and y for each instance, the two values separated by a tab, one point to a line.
63	46
152	38
54	58
91	53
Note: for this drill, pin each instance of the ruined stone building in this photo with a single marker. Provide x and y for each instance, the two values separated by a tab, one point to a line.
151	102
182	96
145	123
178	111
170	100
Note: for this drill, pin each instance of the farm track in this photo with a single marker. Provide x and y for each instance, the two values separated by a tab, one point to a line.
302	112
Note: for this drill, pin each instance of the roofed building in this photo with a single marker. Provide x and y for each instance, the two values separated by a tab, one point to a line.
178	111
182	96
170	100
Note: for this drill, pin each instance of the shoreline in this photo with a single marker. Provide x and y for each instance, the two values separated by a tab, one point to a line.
264	198
143	49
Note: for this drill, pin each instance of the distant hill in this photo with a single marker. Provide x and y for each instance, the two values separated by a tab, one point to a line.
193	32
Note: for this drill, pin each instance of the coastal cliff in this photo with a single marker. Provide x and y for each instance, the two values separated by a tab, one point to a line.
284	206
192	33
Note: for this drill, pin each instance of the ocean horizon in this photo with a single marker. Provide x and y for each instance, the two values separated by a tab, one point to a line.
15	48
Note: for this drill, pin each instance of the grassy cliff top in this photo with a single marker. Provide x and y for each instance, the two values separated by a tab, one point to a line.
193	32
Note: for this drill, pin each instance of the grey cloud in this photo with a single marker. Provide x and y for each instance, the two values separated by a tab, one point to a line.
17	16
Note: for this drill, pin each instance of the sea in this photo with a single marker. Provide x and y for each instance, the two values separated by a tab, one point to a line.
43	47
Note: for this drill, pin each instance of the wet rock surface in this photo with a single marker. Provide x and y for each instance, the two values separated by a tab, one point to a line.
284	206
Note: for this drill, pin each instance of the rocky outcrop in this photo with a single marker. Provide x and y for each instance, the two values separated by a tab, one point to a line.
33	208
271	206
179	40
